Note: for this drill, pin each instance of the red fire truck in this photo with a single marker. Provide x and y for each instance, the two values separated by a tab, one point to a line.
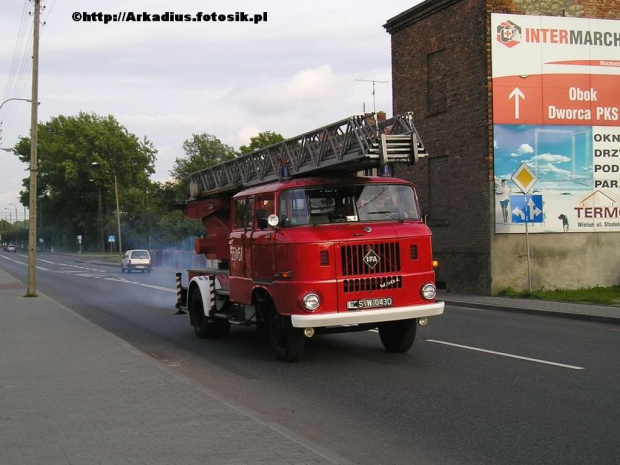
297	243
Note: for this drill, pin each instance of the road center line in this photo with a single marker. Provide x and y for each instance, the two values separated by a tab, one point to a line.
546	362
159	288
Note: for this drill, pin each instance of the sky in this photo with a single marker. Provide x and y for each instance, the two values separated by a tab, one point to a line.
305	65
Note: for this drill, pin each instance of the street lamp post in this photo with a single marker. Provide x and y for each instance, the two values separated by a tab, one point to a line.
15	211
118	216
10	99
118	211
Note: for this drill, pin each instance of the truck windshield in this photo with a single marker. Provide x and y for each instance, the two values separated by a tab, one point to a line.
342	204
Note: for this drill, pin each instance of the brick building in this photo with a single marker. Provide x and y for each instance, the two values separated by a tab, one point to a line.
442	72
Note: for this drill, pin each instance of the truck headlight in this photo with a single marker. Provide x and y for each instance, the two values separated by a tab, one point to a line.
429	291
311	301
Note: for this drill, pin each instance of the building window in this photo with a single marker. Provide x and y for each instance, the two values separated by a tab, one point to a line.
436	82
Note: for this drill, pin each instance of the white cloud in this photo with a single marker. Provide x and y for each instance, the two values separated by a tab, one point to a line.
550	158
523	149
550	168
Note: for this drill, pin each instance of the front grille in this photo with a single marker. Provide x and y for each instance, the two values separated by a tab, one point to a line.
353	263
372	284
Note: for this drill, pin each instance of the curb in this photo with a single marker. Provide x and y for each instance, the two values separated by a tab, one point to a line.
532	311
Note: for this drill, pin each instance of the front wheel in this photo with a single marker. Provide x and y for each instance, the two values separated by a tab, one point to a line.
398	336
286	341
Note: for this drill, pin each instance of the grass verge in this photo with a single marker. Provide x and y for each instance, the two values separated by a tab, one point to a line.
593	295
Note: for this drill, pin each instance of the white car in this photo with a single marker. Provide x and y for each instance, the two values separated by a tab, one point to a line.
11	248
136	260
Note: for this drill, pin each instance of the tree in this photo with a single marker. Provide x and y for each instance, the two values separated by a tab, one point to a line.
81	159
262	140
202	151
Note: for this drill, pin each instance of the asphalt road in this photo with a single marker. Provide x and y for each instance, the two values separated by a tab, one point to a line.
478	387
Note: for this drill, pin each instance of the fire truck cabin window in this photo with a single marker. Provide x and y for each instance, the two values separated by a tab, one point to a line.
343	204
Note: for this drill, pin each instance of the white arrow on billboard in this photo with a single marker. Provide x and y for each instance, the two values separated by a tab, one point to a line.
534	210
516	94
517	211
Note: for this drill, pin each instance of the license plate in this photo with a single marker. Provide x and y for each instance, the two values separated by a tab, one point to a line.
364	304
139	266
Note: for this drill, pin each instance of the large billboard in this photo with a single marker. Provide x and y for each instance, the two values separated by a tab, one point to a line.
556	108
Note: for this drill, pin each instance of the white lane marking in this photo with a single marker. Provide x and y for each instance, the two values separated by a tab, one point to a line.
159	288
81	272
546	362
150	286
23	264
79	268
12	260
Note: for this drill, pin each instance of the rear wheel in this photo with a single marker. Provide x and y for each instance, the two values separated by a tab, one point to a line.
398	336
205	327
286	341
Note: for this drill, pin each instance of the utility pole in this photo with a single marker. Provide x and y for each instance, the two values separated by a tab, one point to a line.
32	223
100	244
118	215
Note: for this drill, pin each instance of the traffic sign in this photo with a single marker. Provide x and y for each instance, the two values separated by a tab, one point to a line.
524	177
526	208
112	238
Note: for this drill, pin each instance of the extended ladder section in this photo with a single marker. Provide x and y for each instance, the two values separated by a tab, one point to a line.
350	145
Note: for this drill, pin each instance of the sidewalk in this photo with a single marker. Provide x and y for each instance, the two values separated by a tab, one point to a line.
606	313
73	394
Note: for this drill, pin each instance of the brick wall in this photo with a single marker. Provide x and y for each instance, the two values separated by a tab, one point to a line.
601	9
445	51
441	71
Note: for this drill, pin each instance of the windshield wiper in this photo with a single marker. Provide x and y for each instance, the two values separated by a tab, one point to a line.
389	214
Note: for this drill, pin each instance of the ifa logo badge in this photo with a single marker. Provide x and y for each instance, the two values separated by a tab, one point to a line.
509	34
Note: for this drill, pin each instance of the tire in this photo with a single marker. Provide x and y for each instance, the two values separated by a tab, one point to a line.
398	336
205	327
287	342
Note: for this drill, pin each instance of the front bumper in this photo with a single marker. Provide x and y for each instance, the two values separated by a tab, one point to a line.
319	320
